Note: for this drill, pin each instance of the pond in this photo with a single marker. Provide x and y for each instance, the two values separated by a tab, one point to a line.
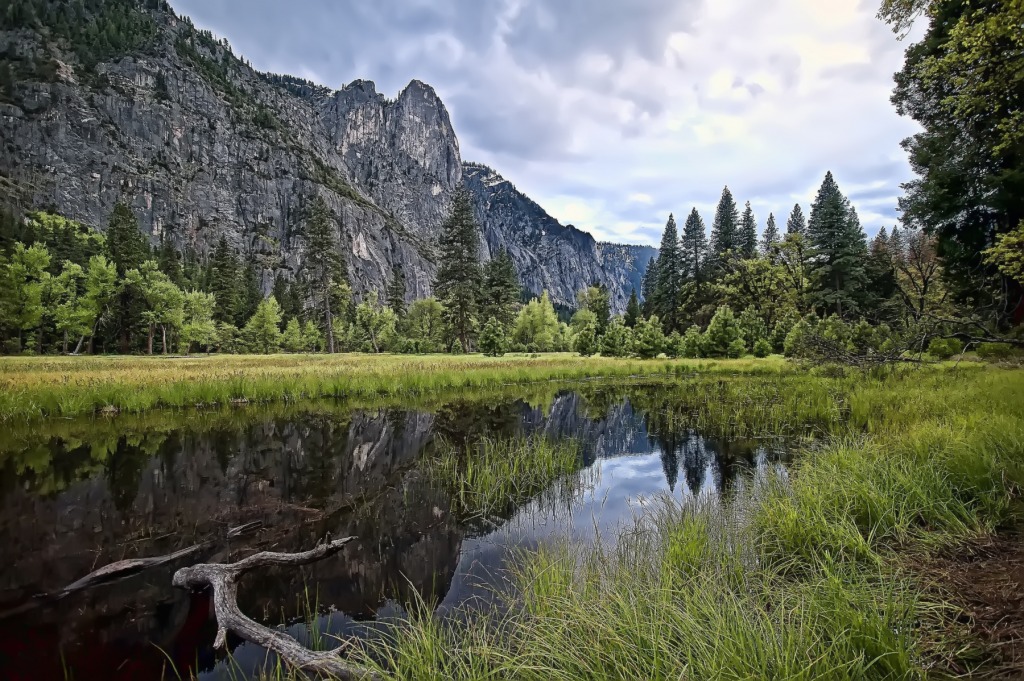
77	495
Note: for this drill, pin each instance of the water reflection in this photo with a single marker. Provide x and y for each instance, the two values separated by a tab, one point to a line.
77	501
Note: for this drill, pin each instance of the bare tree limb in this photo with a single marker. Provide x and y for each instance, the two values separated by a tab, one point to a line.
223	578
125	568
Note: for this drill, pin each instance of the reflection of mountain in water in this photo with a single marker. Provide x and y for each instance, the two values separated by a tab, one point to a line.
302	477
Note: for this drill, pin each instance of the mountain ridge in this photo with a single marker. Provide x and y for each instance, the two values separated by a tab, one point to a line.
202	145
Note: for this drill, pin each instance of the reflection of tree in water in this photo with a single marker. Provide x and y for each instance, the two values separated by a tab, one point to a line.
466	422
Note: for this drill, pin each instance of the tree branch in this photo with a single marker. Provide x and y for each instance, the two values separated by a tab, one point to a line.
223	578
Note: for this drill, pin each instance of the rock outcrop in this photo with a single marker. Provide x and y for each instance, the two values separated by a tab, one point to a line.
201	145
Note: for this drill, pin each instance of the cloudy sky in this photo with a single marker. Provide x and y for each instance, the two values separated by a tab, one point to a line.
613	113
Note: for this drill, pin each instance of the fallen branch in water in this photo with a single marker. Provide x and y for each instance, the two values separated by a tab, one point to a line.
223	578
125	568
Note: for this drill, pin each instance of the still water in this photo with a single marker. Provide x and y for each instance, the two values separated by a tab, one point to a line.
75	497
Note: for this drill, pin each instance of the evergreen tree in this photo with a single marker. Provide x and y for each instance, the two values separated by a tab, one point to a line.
632	310
839	250
596	300
396	291
423	326
694	252
169	261
291	339
648	338
126	244
725	228
458	274
250	291
501	289
617	339
796	223
647	285
323	269
770	238
723	337
747	238
262	333
492	338
668	285
224	282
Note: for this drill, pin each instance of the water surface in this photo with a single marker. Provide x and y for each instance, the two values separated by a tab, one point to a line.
75	497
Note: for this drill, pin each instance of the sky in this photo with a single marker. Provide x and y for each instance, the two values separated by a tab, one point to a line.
611	114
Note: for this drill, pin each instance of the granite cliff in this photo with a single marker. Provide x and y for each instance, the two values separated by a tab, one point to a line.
201	145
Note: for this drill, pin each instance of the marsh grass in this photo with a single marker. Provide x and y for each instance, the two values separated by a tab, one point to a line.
804	580
491	478
32	387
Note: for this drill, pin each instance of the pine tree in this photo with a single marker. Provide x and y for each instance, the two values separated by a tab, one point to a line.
839	250
796	223
169	261
668	285
323	268
224	282
458	274
127	245
647	285
251	291
396	291
747	239
724	236
262	333
501	289
493	338
632	310
770	238
596	300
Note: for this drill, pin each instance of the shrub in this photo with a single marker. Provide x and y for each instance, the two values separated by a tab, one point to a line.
736	349
796	339
722	333
492	339
648	338
944	348
995	350
762	348
692	343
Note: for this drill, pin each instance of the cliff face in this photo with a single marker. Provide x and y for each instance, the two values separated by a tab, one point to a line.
201	145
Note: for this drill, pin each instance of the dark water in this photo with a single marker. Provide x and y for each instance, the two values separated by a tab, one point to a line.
85	495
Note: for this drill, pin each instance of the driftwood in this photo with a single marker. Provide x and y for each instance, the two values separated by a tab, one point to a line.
223	578
125	568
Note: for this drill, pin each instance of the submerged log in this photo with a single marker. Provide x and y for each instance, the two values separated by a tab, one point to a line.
223	579
125	568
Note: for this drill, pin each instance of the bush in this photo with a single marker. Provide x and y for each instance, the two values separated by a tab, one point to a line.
995	350
736	349
762	348
691	346
492	339
797	338
944	348
722	334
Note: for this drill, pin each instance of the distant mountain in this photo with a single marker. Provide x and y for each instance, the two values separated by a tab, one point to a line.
165	117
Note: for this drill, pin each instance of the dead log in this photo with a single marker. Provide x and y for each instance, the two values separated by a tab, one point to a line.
125	568
223	578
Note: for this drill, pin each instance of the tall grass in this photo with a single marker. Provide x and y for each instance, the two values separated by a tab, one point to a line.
41	386
804	580
493	477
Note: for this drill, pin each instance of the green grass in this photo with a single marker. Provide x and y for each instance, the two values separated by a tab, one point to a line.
805	580
32	387
491	478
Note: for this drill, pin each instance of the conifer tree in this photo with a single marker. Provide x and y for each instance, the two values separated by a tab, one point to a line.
724	230
632	310
458	274
839	250
128	247
694	247
596	300
169	260
669	282
647	285
501	289
250	291
493	341
224	281
770	238
747	239
323	269
796	223
396	291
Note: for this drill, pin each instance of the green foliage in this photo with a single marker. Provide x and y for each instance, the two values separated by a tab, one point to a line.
127	246
291	339
262	333
666	293
725	228
396	291
493	339
944	348
424	326
585	340
617	340
839	248
995	350
164	302
323	269
752	327
632	310
376	324
747	235
198	328
796	224
312	338
1008	254
537	328
458	274
692	344
648	338
24	281
595	299
762	348
722	334
66	240
797	339
770	239
501	290
225	282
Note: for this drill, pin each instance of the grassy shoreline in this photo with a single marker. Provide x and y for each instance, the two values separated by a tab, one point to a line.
33	387
818	578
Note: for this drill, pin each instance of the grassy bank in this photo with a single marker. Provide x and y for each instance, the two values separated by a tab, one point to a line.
812	579
41	386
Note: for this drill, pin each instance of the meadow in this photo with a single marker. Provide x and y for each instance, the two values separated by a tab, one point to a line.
47	386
